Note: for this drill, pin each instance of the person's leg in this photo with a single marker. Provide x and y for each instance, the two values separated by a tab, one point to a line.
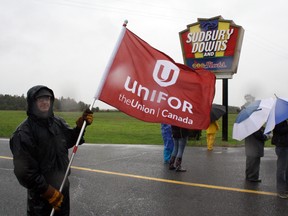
168	141
181	146
207	140
248	168
164	137
179	156
174	153
170	145
252	169
36	204
281	170
210	141
168	148
286	170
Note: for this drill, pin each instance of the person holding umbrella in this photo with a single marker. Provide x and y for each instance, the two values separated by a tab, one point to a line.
280	140
278	123
40	153
254	150
249	126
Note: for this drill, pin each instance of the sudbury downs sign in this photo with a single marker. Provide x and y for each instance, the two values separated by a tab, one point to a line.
213	44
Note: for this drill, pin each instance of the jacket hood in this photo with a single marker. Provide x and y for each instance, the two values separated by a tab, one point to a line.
32	110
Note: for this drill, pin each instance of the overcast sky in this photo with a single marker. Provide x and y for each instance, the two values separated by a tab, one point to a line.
66	44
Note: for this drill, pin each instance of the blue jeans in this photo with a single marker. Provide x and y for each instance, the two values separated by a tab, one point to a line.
168	141
179	146
282	169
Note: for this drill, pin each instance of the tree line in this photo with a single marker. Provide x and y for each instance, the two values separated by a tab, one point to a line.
9	102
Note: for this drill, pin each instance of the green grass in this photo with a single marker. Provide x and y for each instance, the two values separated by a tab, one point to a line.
116	128
108	127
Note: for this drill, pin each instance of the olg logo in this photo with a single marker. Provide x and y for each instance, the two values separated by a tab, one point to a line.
165	73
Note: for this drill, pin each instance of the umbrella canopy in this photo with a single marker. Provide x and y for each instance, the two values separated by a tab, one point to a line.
252	118
217	111
278	113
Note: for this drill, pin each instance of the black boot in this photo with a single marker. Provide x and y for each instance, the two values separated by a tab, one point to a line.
179	168
171	163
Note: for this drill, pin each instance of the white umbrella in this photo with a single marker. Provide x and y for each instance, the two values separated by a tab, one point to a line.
252	118
278	113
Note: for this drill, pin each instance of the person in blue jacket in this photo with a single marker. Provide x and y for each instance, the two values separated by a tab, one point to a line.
168	142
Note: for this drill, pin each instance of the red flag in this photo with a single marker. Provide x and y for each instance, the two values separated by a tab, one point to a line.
147	84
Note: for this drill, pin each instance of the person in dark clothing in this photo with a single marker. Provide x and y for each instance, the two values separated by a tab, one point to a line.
180	138
280	140
40	153
254	150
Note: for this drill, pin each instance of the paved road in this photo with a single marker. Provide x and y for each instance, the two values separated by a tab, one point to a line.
116	180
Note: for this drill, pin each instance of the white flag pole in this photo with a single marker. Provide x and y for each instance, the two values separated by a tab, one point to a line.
122	33
108	66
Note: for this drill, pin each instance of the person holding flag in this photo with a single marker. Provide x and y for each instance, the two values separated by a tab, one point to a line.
40	153
140	81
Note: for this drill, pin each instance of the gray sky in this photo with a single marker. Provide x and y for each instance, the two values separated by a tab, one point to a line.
66	44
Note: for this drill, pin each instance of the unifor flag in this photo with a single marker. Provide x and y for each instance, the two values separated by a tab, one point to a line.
147	84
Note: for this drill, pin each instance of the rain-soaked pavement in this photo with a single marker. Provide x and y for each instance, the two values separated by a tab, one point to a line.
132	180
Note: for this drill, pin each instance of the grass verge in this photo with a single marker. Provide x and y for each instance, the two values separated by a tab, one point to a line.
117	128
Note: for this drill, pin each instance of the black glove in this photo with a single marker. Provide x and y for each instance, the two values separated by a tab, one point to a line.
86	116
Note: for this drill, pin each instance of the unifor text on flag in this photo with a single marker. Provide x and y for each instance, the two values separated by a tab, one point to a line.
148	85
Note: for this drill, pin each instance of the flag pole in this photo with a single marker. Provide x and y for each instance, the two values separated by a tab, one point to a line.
108	66
73	155
92	104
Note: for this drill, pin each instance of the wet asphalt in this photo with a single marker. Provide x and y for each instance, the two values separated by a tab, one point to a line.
116	180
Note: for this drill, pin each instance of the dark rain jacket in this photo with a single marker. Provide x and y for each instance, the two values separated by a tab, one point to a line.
254	144
40	154
178	132
280	134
